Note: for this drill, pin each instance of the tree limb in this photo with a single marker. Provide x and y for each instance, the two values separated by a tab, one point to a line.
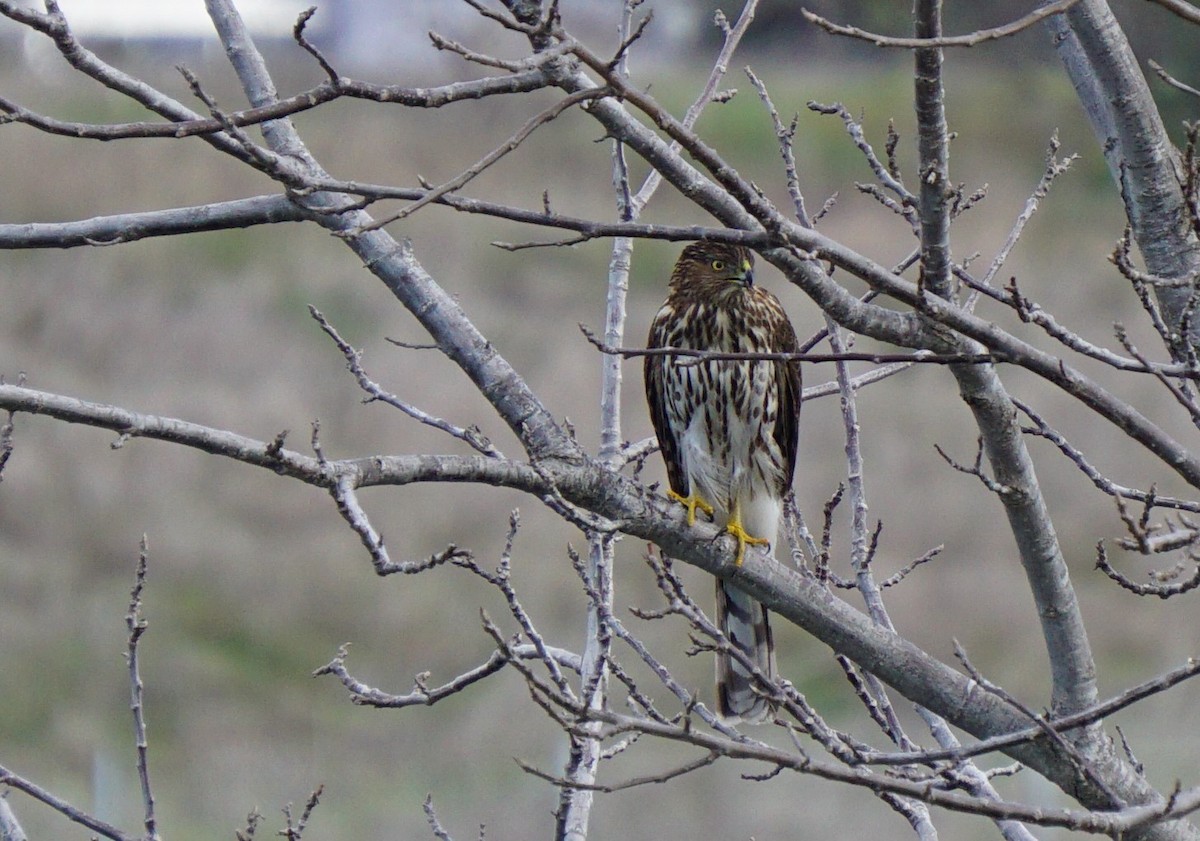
928	41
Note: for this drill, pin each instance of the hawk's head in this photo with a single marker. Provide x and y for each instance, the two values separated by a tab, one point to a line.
713	266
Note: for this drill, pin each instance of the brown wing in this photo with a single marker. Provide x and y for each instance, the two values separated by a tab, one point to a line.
655	373
789	386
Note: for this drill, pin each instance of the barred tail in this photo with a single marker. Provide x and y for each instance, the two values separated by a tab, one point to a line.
743	620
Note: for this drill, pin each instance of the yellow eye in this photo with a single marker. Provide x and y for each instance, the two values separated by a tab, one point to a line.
718	265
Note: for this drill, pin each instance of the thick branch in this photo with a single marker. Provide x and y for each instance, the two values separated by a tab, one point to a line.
933	146
846	309
366	472
797	598
1072	667
1114	93
396	265
130	227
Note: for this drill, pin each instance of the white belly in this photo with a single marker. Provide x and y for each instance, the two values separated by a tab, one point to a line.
723	450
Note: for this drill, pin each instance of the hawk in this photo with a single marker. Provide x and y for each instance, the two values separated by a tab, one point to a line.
728	431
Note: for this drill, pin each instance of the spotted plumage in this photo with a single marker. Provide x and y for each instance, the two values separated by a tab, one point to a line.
727	430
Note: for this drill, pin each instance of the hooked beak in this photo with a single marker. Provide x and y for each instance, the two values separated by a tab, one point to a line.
746	278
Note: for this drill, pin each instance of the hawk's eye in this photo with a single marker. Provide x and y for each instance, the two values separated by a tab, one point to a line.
718	265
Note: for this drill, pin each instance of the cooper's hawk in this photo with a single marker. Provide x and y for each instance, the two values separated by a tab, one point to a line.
727	430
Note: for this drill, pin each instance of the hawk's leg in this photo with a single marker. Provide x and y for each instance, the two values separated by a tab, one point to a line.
744	539
691	503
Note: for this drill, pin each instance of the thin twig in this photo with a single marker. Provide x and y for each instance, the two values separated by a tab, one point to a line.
920	356
1080	763
1185	10
491	157
343	492
1054	168
1043	429
435	825
137	626
733	38
887	175
298	33
1163	591
294	829
632	782
1161	72
969	40
520	81
470	435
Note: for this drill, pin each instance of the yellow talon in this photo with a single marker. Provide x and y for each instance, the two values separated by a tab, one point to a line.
691	503
735	528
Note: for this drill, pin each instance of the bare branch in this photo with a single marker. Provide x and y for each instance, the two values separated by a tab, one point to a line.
6	443
1042	429
1161	72
130	227
887	175
1054	168
10	827
435	825
933	148
1163	591
365	472
784	136
1031	312
307	46
242	213
436	97
491	157
1072	751
423	694
970	40
633	782
294	829
343	492
976	469
137	626
733	38
806	356
1103	822
1185	10
470	435
907	569
253	819
14	781
1113	90
54	25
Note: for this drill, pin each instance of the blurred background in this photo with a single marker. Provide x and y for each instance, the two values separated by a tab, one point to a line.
255	581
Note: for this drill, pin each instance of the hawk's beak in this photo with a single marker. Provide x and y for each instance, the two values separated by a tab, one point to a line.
747	275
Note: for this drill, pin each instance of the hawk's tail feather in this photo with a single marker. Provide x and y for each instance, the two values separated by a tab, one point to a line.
743	620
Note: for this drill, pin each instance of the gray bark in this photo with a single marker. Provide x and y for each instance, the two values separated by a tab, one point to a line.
1113	91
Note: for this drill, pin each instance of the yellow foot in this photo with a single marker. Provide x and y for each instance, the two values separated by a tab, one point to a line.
691	503
744	540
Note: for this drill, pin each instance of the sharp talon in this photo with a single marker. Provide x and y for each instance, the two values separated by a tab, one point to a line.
691	503
735	528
